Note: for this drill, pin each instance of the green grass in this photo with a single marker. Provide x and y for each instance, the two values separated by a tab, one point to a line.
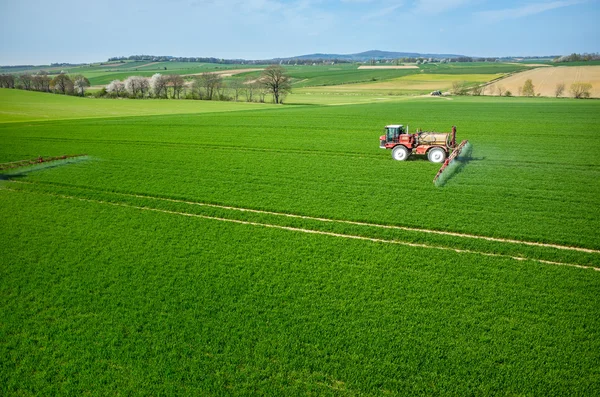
108	285
18	105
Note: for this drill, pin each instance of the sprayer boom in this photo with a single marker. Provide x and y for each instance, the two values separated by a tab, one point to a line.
455	153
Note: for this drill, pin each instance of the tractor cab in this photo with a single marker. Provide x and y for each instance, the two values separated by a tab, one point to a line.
392	134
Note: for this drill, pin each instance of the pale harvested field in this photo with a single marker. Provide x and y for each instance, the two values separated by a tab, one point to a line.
545	80
530	65
390	67
415	82
228	73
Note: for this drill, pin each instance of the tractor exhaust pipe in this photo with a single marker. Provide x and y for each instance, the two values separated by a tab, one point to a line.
453	142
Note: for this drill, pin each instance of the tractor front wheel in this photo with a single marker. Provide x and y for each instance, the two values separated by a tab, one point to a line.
436	155
400	153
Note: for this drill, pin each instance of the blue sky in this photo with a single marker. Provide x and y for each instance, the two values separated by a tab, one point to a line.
41	32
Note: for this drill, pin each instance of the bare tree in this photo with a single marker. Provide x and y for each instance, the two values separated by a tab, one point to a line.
7	81
560	88
41	81
198	88
478	90
115	87
211	83
62	84
144	85
500	90
237	86
262	93
176	82
459	88
528	88
158	84
27	80
81	82
222	91
581	90
276	82
520	90
250	87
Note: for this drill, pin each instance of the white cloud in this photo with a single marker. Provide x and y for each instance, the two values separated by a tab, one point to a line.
523	11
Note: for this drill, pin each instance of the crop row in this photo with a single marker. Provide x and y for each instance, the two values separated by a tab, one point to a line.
115	299
521	183
426	239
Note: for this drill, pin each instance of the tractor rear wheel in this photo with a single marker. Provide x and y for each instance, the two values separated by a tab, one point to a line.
400	153
436	155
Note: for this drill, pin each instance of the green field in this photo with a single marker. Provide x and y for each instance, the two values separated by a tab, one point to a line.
276	250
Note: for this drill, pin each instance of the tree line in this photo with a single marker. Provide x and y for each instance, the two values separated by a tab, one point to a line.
41	81
207	86
574	57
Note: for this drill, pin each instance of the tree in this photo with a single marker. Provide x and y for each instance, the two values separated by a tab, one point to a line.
197	88
560	88
7	81
158	84
62	84
26	80
41	81
211	82
528	88
581	90
116	87
276	82
237	86
500	90
478	90
81	82
137	86
177	82
459	88
250	84
144	86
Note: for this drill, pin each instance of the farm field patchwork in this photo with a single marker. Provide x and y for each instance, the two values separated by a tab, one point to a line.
415	83
278	250
545	80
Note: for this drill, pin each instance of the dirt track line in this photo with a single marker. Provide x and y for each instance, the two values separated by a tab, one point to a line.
311	231
405	228
342	221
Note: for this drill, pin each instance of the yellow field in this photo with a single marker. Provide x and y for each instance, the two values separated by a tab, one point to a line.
408	84
545	80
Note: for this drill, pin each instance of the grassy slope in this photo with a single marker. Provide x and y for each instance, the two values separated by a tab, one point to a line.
17	105
107	299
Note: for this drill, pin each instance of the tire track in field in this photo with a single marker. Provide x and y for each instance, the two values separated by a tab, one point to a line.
312	231
348	222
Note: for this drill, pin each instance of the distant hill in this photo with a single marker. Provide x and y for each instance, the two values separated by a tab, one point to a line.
374	54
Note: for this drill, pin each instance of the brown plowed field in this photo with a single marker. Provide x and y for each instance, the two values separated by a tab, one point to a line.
545	80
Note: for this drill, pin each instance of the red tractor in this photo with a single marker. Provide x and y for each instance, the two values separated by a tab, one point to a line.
436	145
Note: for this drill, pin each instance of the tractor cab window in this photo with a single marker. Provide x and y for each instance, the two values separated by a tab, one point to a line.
392	133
